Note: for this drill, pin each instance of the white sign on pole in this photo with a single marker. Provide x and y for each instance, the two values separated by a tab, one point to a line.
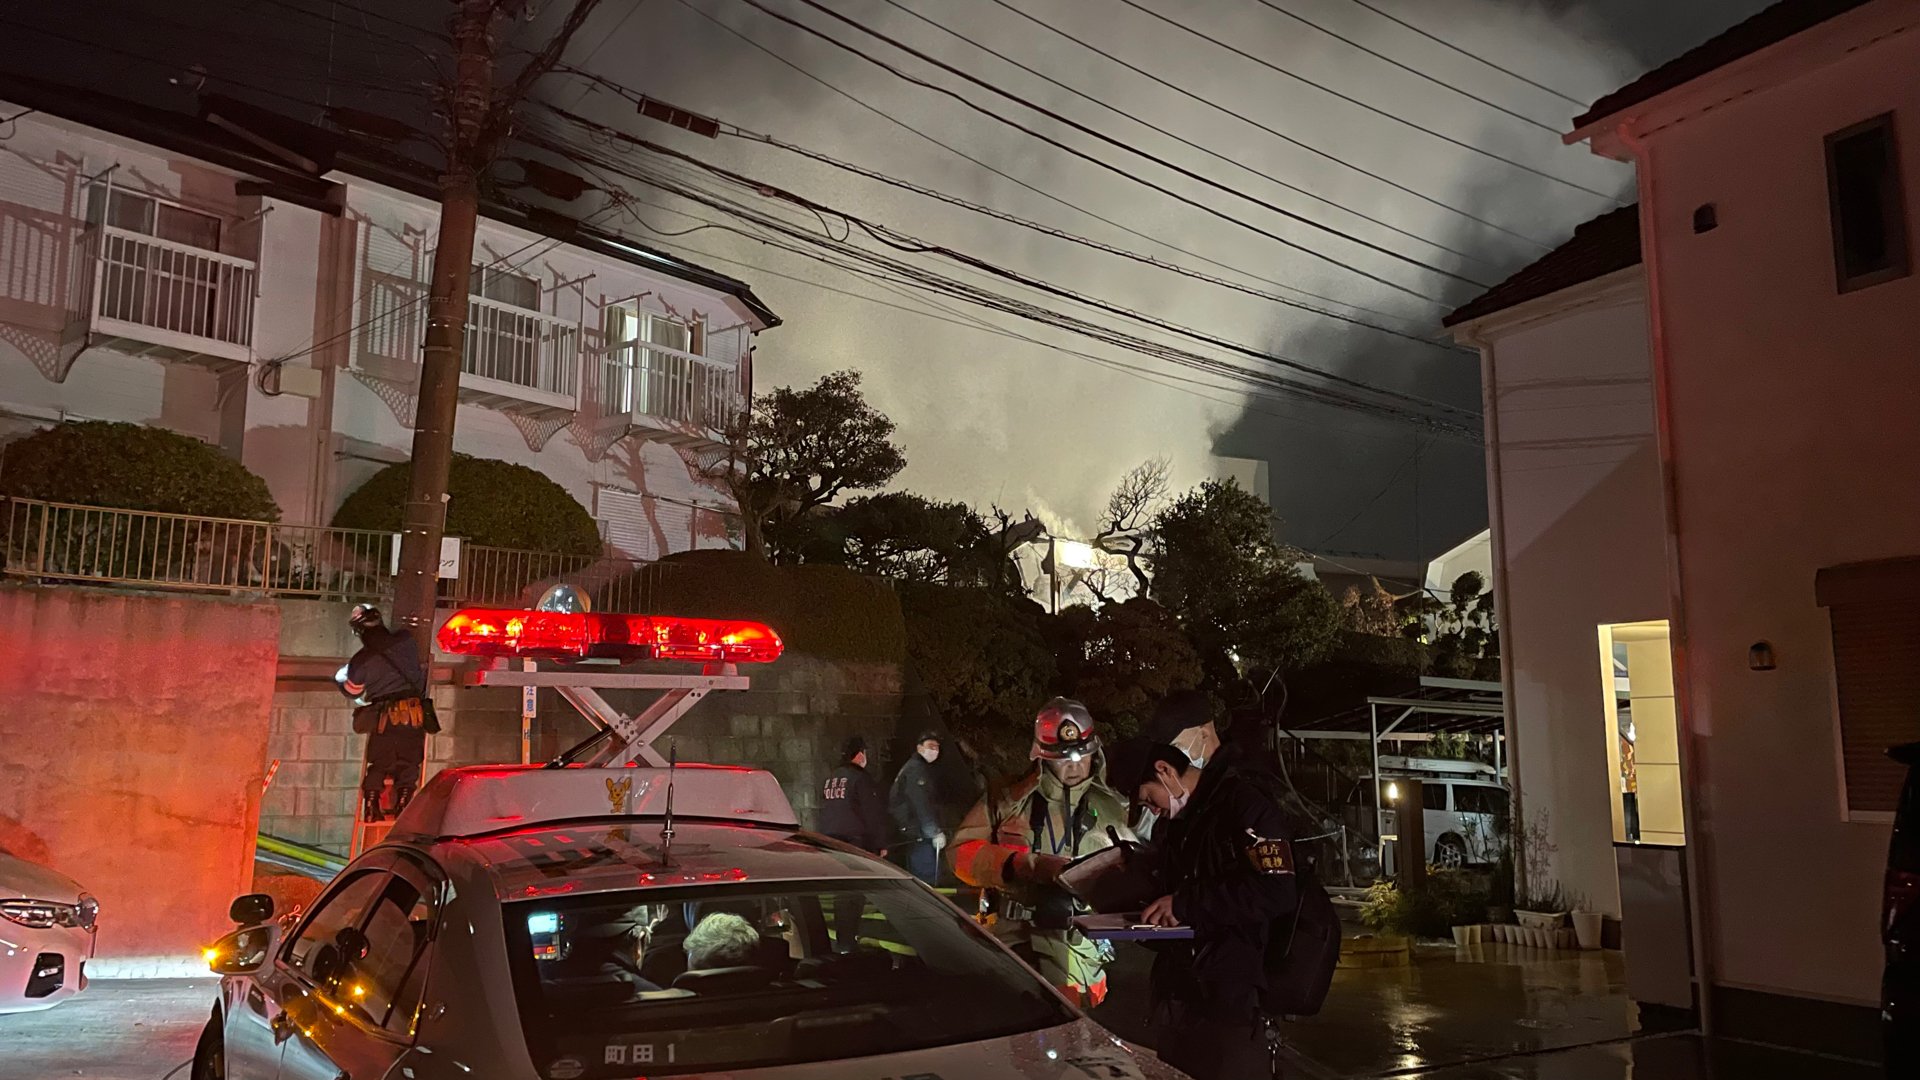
449	557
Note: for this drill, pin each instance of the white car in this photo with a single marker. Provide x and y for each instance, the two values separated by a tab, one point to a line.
47	925
527	923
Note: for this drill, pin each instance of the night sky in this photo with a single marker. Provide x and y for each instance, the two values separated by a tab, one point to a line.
986	417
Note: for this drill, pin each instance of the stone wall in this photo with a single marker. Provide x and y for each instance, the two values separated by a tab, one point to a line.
132	744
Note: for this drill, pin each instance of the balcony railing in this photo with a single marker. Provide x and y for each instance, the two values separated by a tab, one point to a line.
651	382
170	296
57	543
524	349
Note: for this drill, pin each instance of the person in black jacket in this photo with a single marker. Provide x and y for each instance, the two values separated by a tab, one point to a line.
389	686
1228	867
852	810
911	802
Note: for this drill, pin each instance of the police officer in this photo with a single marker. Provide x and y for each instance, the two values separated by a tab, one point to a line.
1227	859
911	802
388	684
852	811
1018	843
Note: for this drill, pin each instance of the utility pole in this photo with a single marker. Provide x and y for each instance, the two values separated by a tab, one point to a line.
477	124
424	518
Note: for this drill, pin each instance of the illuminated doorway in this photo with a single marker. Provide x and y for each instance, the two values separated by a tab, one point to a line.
1643	738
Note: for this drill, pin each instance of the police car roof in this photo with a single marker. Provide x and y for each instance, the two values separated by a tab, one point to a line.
475	800
591	858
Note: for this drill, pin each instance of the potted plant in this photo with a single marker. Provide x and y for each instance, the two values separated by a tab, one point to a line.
1588	927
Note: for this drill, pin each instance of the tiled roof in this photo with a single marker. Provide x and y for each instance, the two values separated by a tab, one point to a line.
1600	247
1769	27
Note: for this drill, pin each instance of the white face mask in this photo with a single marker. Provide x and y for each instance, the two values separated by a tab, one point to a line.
1195	756
930	753
1176	803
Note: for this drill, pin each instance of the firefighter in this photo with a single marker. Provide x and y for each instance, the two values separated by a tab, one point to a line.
389	687
1229	869
1017	844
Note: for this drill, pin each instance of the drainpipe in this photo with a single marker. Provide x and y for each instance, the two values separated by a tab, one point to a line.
1697	883
1497	523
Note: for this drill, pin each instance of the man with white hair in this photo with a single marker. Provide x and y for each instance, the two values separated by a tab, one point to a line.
722	940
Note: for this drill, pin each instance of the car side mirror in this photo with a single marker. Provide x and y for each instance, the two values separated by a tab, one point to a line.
251	909
242	952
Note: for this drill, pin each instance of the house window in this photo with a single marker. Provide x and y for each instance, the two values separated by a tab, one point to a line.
143	214
648	369
505	287
1869	218
1874	610
1642	734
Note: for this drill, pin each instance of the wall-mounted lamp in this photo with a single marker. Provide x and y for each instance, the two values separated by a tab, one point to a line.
1393	791
1760	656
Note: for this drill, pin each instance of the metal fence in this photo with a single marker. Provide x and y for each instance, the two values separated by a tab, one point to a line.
55	543
174	287
525	348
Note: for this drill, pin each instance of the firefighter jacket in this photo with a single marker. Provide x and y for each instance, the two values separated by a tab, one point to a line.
1229	865
1034	816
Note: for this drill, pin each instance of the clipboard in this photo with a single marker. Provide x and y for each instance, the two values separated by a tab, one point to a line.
1120	878
1128	927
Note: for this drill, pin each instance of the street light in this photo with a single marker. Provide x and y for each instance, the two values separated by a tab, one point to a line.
1075	555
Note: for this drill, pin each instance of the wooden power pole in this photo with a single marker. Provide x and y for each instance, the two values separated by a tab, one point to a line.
477	124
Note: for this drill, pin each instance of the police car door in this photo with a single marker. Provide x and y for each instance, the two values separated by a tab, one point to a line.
268	1010
369	992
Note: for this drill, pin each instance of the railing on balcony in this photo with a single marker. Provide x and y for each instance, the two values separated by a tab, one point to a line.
172	295
648	380
57	543
523	348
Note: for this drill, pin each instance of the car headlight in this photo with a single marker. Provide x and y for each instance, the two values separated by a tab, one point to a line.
46	914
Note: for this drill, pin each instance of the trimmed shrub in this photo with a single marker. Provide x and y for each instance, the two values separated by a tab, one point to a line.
490	503
132	467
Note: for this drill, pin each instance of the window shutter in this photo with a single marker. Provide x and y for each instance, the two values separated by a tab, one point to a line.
676	525
1878	680
624	523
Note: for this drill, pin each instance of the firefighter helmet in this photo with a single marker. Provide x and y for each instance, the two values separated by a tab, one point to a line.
1063	731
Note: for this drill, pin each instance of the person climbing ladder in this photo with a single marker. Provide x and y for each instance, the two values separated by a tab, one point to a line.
389	689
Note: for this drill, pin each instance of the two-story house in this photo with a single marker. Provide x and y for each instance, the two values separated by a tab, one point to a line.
260	283
1703	454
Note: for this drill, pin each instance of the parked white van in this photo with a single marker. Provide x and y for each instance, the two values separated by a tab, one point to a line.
1466	806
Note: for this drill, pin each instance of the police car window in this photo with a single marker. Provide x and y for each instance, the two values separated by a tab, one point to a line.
345	907
397	931
752	976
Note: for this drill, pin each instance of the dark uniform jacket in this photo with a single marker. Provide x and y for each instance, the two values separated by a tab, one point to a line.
852	809
911	800
386	672
1228	864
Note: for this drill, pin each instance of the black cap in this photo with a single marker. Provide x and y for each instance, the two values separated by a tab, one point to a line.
1178	711
853	746
929	736
364	616
1130	764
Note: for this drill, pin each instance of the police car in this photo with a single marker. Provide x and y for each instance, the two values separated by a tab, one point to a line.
530	923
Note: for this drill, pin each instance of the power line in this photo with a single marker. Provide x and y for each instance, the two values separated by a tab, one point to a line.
1471	56
906	242
1049	230
1337	36
1282	136
1175	136
1036	190
1396	118
1107	165
1448	426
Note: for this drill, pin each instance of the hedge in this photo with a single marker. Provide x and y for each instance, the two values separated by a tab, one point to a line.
828	612
490	503
133	467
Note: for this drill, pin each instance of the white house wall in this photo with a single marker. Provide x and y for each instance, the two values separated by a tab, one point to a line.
43	166
314	450
1794	428
1576	520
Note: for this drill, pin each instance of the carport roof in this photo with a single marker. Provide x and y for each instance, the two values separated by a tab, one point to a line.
1452	706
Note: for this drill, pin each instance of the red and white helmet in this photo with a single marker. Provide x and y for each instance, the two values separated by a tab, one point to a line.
1063	731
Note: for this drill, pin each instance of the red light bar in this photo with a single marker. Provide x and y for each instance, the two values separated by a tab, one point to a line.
565	635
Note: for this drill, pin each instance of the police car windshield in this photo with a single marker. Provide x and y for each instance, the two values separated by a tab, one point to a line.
743	976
